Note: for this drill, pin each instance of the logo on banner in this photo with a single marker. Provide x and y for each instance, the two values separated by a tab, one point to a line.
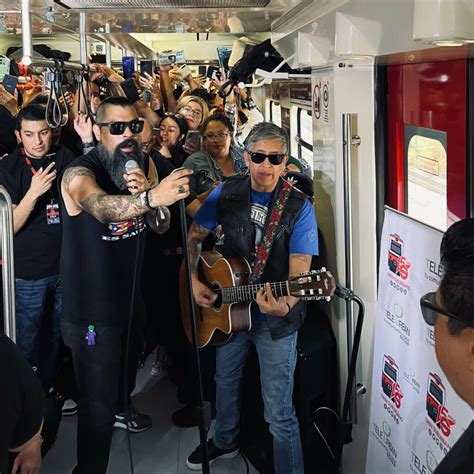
396	320
410	378
439	420
382	435
434	271
398	264
390	385
420	466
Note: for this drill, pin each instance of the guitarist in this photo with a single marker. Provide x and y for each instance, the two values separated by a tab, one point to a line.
261	215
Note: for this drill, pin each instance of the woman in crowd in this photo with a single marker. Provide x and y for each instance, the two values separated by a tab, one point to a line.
218	158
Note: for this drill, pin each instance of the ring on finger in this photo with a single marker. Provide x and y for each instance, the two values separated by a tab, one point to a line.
181	189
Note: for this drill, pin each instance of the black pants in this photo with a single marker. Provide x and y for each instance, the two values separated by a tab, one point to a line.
100	376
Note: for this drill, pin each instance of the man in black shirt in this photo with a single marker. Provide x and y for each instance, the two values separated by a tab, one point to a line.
451	311
29	175
21	411
101	262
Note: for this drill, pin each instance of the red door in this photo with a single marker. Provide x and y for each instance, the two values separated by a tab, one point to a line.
427	110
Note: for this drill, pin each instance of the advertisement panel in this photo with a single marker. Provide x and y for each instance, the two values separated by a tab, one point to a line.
415	414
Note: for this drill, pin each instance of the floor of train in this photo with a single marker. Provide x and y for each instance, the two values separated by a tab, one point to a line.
160	450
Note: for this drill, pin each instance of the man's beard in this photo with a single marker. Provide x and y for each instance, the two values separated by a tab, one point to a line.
114	161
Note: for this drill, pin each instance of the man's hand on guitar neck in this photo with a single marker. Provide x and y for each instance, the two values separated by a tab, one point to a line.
270	305
203	295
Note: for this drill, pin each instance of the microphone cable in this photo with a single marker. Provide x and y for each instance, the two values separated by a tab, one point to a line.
344	425
129	330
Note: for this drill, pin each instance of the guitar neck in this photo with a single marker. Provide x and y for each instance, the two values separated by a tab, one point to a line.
247	293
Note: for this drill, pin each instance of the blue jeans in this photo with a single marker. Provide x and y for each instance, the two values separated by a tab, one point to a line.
38	332
277	360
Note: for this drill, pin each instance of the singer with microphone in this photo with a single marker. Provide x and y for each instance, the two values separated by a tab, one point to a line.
107	200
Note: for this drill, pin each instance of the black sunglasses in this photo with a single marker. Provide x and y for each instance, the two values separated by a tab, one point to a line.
430	309
274	159
117	128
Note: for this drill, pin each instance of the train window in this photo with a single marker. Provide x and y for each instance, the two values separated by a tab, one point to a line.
275	113
304	135
426	185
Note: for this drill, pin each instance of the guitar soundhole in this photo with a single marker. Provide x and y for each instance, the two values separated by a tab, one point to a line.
218	303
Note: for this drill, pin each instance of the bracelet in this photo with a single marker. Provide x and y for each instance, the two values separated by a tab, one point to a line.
147	198
88	144
289	308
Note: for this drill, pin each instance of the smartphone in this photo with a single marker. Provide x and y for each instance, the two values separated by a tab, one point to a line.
130	89
213	72
184	71
128	66
193	138
10	82
202	70
146	67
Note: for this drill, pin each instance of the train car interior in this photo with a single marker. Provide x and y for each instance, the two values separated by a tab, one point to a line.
376	99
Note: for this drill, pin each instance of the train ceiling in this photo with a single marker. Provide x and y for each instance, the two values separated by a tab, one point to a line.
146	16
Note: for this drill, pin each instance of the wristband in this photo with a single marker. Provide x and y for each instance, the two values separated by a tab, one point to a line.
88	144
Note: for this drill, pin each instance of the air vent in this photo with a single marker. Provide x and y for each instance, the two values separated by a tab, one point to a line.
150	4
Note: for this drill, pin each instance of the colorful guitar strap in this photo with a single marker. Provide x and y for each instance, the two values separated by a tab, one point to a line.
263	249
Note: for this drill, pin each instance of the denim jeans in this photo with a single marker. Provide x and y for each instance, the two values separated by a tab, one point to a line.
38	333
277	360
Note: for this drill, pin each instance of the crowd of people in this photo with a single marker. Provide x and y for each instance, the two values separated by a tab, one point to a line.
98	247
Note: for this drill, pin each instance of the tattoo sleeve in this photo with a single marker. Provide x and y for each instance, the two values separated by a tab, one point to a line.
104	207
197	234
299	263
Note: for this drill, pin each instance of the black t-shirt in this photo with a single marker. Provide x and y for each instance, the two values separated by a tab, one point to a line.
98	260
37	245
21	400
460	458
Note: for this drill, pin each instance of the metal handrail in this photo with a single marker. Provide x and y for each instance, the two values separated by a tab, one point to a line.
346	153
8	269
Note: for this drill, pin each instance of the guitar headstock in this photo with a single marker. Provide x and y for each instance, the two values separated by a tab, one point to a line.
313	285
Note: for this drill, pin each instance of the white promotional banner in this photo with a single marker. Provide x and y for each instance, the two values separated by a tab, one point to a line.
415	414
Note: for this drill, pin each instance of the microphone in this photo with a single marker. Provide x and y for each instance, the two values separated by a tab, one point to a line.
131	165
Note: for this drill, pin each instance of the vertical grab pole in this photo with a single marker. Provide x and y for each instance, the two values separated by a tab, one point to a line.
108	46
8	273
83	37
346	153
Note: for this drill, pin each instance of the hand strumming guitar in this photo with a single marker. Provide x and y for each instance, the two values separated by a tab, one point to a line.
203	295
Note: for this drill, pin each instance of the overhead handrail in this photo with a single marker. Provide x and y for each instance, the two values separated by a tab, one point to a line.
57	112
8	272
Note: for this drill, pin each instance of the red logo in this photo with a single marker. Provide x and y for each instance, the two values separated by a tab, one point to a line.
435	399
390	386
397	263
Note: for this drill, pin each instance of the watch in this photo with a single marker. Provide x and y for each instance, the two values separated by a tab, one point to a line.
144	199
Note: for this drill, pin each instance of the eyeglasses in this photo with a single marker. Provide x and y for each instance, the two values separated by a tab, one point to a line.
189	110
216	136
430	309
117	128
275	159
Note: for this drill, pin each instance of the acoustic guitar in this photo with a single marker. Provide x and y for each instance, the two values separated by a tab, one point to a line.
228	278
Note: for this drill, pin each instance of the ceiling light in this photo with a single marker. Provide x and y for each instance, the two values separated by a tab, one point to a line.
150	4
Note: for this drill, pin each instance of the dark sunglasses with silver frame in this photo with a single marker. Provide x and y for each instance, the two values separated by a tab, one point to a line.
275	159
430	309
117	128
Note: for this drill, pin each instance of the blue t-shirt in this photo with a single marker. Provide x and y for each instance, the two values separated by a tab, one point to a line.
303	238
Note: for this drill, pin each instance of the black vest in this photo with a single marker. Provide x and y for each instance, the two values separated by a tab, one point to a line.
99	261
234	216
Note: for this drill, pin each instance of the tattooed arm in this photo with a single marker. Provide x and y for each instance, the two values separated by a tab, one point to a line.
299	263
203	295
82	193
273	306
